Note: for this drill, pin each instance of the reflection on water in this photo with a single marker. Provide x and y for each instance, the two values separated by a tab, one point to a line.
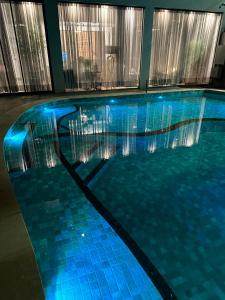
104	131
131	129
41	152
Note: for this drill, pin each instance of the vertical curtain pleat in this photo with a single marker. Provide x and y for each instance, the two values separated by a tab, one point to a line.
30	32
4	85
183	47
24	46
101	45
9	48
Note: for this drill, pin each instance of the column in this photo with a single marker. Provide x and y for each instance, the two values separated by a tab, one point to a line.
54	44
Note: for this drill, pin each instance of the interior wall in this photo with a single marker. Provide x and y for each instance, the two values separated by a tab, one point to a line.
52	28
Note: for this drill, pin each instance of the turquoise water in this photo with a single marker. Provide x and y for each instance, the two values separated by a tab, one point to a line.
157	165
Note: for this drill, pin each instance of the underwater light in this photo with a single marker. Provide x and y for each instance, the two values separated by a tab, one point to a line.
48	110
174	144
15	138
84	117
189	142
58	111
160	97
152	148
112	101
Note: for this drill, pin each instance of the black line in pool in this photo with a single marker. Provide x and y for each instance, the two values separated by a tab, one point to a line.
162	130
94	172
159	282
64	127
77	164
66	115
141	134
149	268
97	169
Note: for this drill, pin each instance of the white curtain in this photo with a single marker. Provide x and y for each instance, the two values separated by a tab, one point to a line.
4	85
101	45
24	56
183	47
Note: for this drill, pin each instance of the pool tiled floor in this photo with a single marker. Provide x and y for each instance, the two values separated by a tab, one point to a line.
19	270
78	253
182	210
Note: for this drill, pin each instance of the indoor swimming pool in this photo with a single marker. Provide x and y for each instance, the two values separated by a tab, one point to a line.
123	197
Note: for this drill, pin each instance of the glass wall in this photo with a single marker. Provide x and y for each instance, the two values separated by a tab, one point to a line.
24	64
101	45
183	47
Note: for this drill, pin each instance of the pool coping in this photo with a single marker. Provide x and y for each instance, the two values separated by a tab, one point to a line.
19	275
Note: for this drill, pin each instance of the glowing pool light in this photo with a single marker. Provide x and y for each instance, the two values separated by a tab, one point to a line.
174	144
189	141
107	154
48	110
15	138
152	148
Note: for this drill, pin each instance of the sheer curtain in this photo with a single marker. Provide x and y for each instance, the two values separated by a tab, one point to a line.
101	45
183	47
24	47
9	48
4	85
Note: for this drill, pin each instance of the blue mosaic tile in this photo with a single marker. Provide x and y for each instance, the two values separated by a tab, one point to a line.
175	176
78	253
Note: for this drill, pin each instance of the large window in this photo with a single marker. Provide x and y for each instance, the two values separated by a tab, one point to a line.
24	65
183	47
101	45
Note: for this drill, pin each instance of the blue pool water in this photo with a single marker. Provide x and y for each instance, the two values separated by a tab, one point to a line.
123	197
